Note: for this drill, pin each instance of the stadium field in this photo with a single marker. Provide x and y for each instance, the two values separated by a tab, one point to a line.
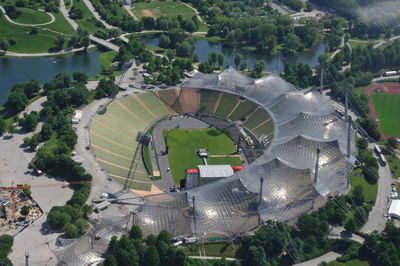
387	108
184	143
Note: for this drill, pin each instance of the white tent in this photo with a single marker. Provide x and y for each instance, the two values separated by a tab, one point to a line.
394	210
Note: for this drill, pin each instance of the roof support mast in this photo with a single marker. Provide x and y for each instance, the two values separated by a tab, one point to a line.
321	85
346	104
316	177
260	197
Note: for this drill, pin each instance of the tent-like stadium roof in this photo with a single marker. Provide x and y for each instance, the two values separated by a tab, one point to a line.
304	122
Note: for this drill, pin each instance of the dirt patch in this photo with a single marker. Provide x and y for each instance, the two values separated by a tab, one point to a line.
389	88
148	13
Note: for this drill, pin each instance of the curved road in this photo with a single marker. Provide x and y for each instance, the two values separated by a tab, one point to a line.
28	25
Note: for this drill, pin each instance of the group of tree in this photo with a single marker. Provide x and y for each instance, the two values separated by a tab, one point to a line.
157	250
179	40
80	39
6	243
366	16
20	93
106	88
63	94
366	157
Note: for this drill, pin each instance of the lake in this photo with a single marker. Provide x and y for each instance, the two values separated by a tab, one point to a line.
16	69
203	47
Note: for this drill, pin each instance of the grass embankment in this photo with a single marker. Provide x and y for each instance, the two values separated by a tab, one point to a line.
106	58
387	108
370	190
349	263
394	164
31	16
184	144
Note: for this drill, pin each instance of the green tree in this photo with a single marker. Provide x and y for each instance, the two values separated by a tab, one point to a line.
362	143
164	41
212	58
76	12
110	261
151	258
151	240
221	59
392	143
135	232
358	195
291	43
256	256
82	225
87	210
60	41
2	126
164	236
170	54
29	122
4	44
16	101
114	33
259	66
237	59
351	225
70	231
24	210
80	76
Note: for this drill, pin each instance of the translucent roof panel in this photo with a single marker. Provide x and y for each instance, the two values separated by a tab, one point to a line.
169	211
319	128
290	105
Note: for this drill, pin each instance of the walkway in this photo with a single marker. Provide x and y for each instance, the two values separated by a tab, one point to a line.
197	13
376	218
28	25
214	258
96	14
128	9
338	49
330	256
65	51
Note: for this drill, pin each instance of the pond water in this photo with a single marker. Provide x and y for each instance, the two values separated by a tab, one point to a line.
13	69
203	48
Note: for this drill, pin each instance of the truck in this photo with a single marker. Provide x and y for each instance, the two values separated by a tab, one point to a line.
390	73
382	160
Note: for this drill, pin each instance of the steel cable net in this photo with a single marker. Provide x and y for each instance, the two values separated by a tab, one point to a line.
304	122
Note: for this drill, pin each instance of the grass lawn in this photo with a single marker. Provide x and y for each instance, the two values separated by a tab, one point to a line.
158	8
60	25
106	58
31	16
220	249
184	143
349	263
387	108
394	164
88	21
370	190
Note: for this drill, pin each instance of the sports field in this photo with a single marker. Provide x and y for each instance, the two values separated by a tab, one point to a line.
184	143
156	9
387	108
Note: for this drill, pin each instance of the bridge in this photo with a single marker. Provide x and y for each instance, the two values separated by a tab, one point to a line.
104	43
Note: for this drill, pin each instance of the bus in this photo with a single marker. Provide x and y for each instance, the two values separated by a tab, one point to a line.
382	160
377	150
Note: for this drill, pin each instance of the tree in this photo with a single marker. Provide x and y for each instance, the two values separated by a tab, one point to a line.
256	256
135	232
358	195
80	76
4	44
70	230
87	210
2	126
392	143
351	225
170	54
164	41
362	143
16	101
110	261
114	33
76	12
237	59
24	210
212	58
151	240
291	43
164	236
259	66
82	225
33	31
221	59
152	258
29	122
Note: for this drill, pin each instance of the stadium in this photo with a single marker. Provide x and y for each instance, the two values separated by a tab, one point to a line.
306	152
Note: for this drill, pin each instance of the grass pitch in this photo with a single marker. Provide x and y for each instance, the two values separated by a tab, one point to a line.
184	143
387	108
157	9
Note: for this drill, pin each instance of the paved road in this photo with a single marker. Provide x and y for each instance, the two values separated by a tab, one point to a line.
197	13
128	9
186	122
385	78
214	258
52	19
340	232
376	218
